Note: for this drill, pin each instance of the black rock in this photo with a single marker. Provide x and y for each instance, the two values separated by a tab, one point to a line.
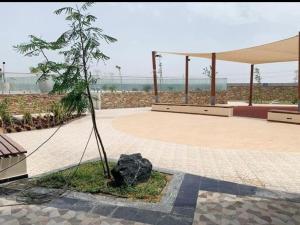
131	169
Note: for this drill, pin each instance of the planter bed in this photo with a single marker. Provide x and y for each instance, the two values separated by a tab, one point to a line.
38	122
90	178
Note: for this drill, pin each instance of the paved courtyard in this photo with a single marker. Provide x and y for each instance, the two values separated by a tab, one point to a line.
220	186
278	170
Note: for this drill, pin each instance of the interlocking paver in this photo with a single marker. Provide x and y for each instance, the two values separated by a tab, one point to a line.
277	170
233	209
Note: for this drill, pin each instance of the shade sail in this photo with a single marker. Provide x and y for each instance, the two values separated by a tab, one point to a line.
279	51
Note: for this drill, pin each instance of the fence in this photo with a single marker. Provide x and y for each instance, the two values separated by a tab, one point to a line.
28	83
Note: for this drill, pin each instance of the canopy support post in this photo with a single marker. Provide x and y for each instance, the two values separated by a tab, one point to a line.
154	77
299	72
213	80
251	85
186	80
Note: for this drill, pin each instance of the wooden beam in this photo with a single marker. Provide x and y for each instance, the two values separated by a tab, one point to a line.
299	72
186	79
154	76
251	85
213	80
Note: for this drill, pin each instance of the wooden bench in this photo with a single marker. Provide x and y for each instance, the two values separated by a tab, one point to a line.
284	116
10	153
194	109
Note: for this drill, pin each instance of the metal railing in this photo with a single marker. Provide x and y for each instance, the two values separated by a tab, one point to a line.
28	83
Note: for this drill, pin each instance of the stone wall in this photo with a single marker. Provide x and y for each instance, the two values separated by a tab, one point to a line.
110	100
144	99
267	93
34	103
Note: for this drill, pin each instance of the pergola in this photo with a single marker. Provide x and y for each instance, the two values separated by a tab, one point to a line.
279	51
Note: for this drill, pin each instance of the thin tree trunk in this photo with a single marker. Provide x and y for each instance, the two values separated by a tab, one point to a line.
91	102
96	129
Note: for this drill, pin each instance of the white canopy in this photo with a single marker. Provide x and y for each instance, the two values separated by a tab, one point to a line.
279	51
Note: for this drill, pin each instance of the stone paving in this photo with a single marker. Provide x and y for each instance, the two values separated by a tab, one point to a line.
36	214
216	192
199	201
225	209
273	170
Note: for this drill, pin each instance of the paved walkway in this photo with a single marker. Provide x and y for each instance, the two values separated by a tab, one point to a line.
272	170
199	201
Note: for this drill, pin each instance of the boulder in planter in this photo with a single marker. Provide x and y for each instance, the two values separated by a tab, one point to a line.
131	169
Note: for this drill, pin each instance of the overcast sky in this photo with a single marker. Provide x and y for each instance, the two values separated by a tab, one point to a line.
143	27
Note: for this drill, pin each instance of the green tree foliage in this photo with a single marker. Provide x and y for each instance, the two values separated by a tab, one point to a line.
207	72
5	114
258	78
79	46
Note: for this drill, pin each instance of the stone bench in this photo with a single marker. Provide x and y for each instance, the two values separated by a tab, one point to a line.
284	116
217	110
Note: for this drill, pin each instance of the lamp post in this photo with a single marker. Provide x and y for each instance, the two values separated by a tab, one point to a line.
3	77
119	68
3	72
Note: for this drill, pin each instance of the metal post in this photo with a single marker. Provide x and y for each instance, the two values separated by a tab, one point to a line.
213	80
121	82
154	77
186	79
4	79
2	88
299	72
251	85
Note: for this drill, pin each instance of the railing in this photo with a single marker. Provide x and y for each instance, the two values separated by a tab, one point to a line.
27	83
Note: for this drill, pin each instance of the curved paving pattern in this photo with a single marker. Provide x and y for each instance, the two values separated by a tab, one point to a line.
272	170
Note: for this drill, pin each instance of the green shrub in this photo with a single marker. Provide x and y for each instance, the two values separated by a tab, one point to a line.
5	115
27	118
58	111
294	101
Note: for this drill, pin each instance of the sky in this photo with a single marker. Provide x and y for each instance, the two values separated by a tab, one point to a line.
143	27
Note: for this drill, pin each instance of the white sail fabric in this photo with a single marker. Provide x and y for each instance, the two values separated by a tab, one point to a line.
280	51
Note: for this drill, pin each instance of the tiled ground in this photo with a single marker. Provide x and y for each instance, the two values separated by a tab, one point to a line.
273	170
219	208
36	214
200	201
217	202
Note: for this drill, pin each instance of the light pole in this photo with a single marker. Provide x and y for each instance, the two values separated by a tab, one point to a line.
3	72
160	70
119	68
3	77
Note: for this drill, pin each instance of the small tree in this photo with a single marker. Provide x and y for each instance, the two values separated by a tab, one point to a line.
207	72
80	46
257	76
258	79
